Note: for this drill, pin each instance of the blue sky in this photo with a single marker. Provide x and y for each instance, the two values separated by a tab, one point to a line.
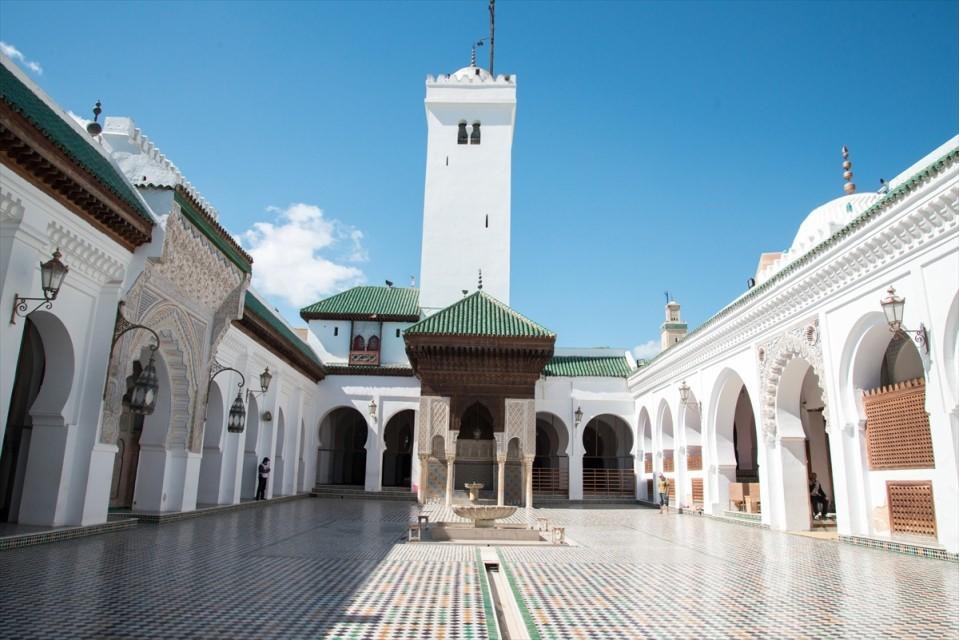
659	146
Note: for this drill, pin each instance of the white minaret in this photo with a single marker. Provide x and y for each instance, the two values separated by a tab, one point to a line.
466	206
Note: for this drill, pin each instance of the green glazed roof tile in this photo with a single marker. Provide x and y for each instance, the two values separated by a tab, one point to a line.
254	306
588	366
393	302
479	314
28	104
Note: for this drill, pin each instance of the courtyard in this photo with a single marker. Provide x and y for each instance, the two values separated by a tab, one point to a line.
328	568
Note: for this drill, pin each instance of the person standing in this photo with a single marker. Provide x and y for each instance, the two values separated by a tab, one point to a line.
663	493
817	496
263	473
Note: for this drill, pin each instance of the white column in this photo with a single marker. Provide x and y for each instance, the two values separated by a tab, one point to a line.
450	464
500	480
528	481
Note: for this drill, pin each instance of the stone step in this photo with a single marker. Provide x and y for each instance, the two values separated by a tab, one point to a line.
358	493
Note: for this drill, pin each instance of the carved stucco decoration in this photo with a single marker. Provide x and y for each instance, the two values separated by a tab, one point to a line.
433	419
802	341
521	424
195	266
83	256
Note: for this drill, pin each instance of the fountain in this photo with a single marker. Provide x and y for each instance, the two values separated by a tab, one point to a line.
483	516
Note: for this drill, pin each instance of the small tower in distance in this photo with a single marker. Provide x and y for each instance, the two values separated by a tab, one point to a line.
674	329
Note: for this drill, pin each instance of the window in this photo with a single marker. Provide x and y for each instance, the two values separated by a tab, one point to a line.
461	137
373	344
475	136
359	344
397	333
336	331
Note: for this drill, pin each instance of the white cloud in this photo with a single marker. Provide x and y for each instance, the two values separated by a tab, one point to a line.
646	350
15	54
300	256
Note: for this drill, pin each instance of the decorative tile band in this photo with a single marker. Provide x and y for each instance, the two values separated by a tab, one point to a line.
491	626
895	546
163	518
518	596
66	533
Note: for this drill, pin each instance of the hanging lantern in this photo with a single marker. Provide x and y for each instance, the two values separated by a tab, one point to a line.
372	408
52	273
684	392
578	415
265	379
893	307
237	418
143	397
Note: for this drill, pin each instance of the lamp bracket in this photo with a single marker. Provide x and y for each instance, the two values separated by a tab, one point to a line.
216	369
20	306
123	326
920	336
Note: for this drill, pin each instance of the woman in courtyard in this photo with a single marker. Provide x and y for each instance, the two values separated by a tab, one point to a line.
263	472
663	493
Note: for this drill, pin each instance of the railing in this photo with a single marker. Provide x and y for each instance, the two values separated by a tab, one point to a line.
550	481
609	482
365	358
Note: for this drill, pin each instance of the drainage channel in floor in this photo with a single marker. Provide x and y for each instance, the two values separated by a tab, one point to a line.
509	619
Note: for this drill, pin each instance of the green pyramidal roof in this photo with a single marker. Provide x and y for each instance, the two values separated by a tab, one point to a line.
358	303
479	314
588	366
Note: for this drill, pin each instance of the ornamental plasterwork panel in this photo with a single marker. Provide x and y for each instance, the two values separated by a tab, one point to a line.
433	419
195	266
521	424
83	256
11	209
801	341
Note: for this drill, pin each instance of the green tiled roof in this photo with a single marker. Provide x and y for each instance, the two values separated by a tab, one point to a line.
589	366
894	195
359	302
479	314
28	104
260	310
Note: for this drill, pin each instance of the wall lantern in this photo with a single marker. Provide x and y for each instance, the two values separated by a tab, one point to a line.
143	396
684	397
52	273
265	379
578	415
372	408
237	418
893	307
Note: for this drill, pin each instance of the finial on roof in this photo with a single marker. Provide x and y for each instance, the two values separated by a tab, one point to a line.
849	187
473	56
480	285
94	128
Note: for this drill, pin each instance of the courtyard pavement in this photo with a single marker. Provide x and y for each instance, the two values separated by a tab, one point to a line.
321	568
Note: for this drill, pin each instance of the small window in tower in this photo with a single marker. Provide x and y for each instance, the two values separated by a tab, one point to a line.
461	137
475	136
336	331
373	344
359	344
397	333
487	221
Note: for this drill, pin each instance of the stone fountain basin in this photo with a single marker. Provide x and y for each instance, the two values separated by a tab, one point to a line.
483	516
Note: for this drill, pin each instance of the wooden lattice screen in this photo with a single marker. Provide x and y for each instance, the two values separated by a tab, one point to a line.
648	463
694	458
667	460
911	509
672	489
897	426
650	494
697	491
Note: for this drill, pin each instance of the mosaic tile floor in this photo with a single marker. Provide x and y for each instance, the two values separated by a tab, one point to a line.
338	569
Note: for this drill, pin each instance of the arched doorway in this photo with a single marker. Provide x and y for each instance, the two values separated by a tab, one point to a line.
551	464
251	436
692	458
301	466
898	455
476	451
341	458
211	464
735	483
667	449
607	459
646	435
398	455
28	378
279	464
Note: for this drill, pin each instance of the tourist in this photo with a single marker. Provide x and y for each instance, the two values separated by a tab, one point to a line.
663	493
817	496
263	472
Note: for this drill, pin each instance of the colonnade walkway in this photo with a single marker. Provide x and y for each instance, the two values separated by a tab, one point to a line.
322	568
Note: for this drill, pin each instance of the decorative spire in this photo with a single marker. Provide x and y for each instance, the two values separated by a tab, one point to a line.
94	128
473	56
849	187
480	285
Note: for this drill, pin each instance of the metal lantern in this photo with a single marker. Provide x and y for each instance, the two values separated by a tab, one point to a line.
684	392
372	407
893	307
52	273
265	379
143	397
578	415
237	418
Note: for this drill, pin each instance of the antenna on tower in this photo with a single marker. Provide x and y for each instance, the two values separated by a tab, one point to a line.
480	285
666	293
492	31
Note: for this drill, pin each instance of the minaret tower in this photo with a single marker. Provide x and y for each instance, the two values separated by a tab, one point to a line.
466	206
674	329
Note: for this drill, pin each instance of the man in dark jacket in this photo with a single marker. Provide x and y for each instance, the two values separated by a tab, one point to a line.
263	473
